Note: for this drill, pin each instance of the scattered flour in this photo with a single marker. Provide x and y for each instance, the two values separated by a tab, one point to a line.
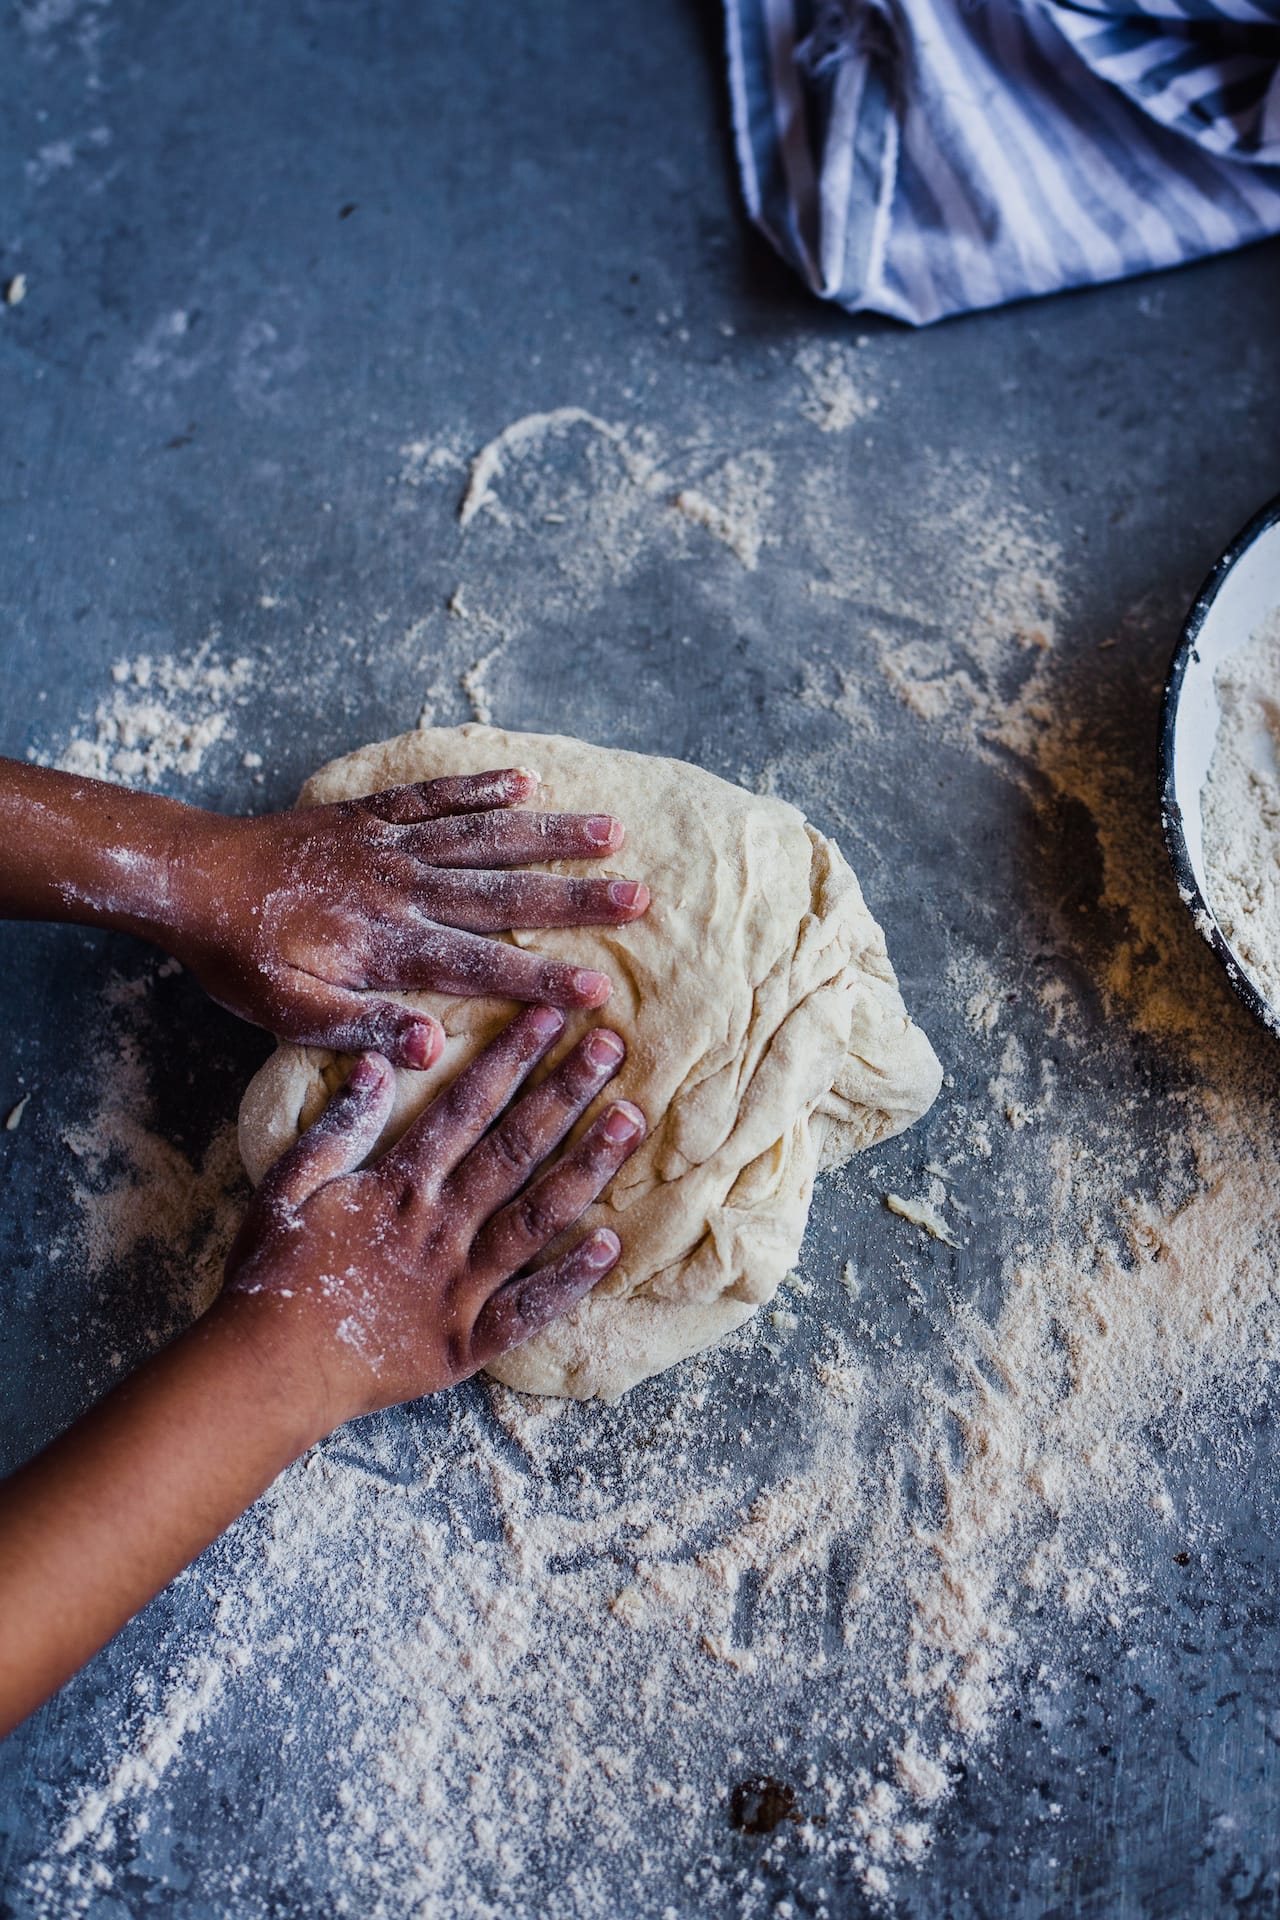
979	989
960	616
427	459
924	1213
835	398
134	1189
1241	805
475	684
519	435
733	504
162	717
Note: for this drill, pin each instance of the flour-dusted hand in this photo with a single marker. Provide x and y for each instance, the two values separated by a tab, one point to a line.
305	922
346	1291
302	922
410	1275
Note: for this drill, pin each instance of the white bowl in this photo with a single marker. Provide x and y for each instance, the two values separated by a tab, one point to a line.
1240	593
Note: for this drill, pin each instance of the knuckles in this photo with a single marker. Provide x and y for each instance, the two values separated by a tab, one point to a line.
597	1157
415	1209
514	1149
578	1078
472	826
538	1217
456	1340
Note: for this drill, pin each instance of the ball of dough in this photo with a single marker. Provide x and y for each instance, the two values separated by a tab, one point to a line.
765	1033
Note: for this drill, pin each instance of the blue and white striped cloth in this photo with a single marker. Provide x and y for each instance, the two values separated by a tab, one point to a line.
925	157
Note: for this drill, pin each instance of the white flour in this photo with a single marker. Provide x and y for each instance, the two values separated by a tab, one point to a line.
133	1189
161	717
836	398
733	505
1241	808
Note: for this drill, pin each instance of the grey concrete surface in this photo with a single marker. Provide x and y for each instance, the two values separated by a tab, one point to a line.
399	225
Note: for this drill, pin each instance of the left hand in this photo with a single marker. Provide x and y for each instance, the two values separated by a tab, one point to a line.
346	1290
301	922
389	1281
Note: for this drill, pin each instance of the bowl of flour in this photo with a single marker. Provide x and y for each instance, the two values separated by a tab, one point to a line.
1220	763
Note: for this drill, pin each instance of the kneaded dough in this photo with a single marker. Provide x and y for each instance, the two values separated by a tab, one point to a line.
766	1038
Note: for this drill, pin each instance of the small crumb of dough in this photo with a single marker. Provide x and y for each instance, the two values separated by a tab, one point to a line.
14	1120
921	1214
15	290
629	1606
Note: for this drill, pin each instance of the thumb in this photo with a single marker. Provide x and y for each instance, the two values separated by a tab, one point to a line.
345	1134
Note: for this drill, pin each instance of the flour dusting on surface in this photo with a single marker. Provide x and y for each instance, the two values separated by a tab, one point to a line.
835	393
132	1187
162	716
733	505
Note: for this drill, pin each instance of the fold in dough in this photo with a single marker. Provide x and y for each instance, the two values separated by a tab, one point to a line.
765	1034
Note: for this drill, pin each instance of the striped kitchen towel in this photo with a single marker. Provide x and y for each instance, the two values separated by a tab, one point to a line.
925	157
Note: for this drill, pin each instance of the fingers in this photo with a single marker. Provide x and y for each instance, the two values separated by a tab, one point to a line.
508	1156
559	1196
525	1305
489	902
515	839
451	961
344	1136
353	1022
459	793
452	1124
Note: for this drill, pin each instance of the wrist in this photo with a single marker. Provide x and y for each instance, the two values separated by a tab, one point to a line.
146	856
195	889
286	1364
89	851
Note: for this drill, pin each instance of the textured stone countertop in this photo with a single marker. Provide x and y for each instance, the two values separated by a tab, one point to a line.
1005	1641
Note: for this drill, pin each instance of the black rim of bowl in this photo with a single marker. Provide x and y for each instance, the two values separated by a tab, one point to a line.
1200	909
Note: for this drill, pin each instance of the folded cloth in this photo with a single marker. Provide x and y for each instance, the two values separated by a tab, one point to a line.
925	157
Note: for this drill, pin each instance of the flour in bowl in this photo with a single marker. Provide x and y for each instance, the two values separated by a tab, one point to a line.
1241	806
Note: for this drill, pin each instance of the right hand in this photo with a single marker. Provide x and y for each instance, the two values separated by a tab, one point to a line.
412	1274
305	922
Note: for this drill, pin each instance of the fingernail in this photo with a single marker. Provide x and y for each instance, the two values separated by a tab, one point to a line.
604	1049
601	828
530	775
628	894
592	987
624	1123
602	1249
546	1022
419	1045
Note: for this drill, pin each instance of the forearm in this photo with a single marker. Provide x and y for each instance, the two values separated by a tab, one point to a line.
100	1521
85	850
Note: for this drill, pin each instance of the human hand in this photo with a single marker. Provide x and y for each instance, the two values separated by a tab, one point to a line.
406	1277
301	922
346	1291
